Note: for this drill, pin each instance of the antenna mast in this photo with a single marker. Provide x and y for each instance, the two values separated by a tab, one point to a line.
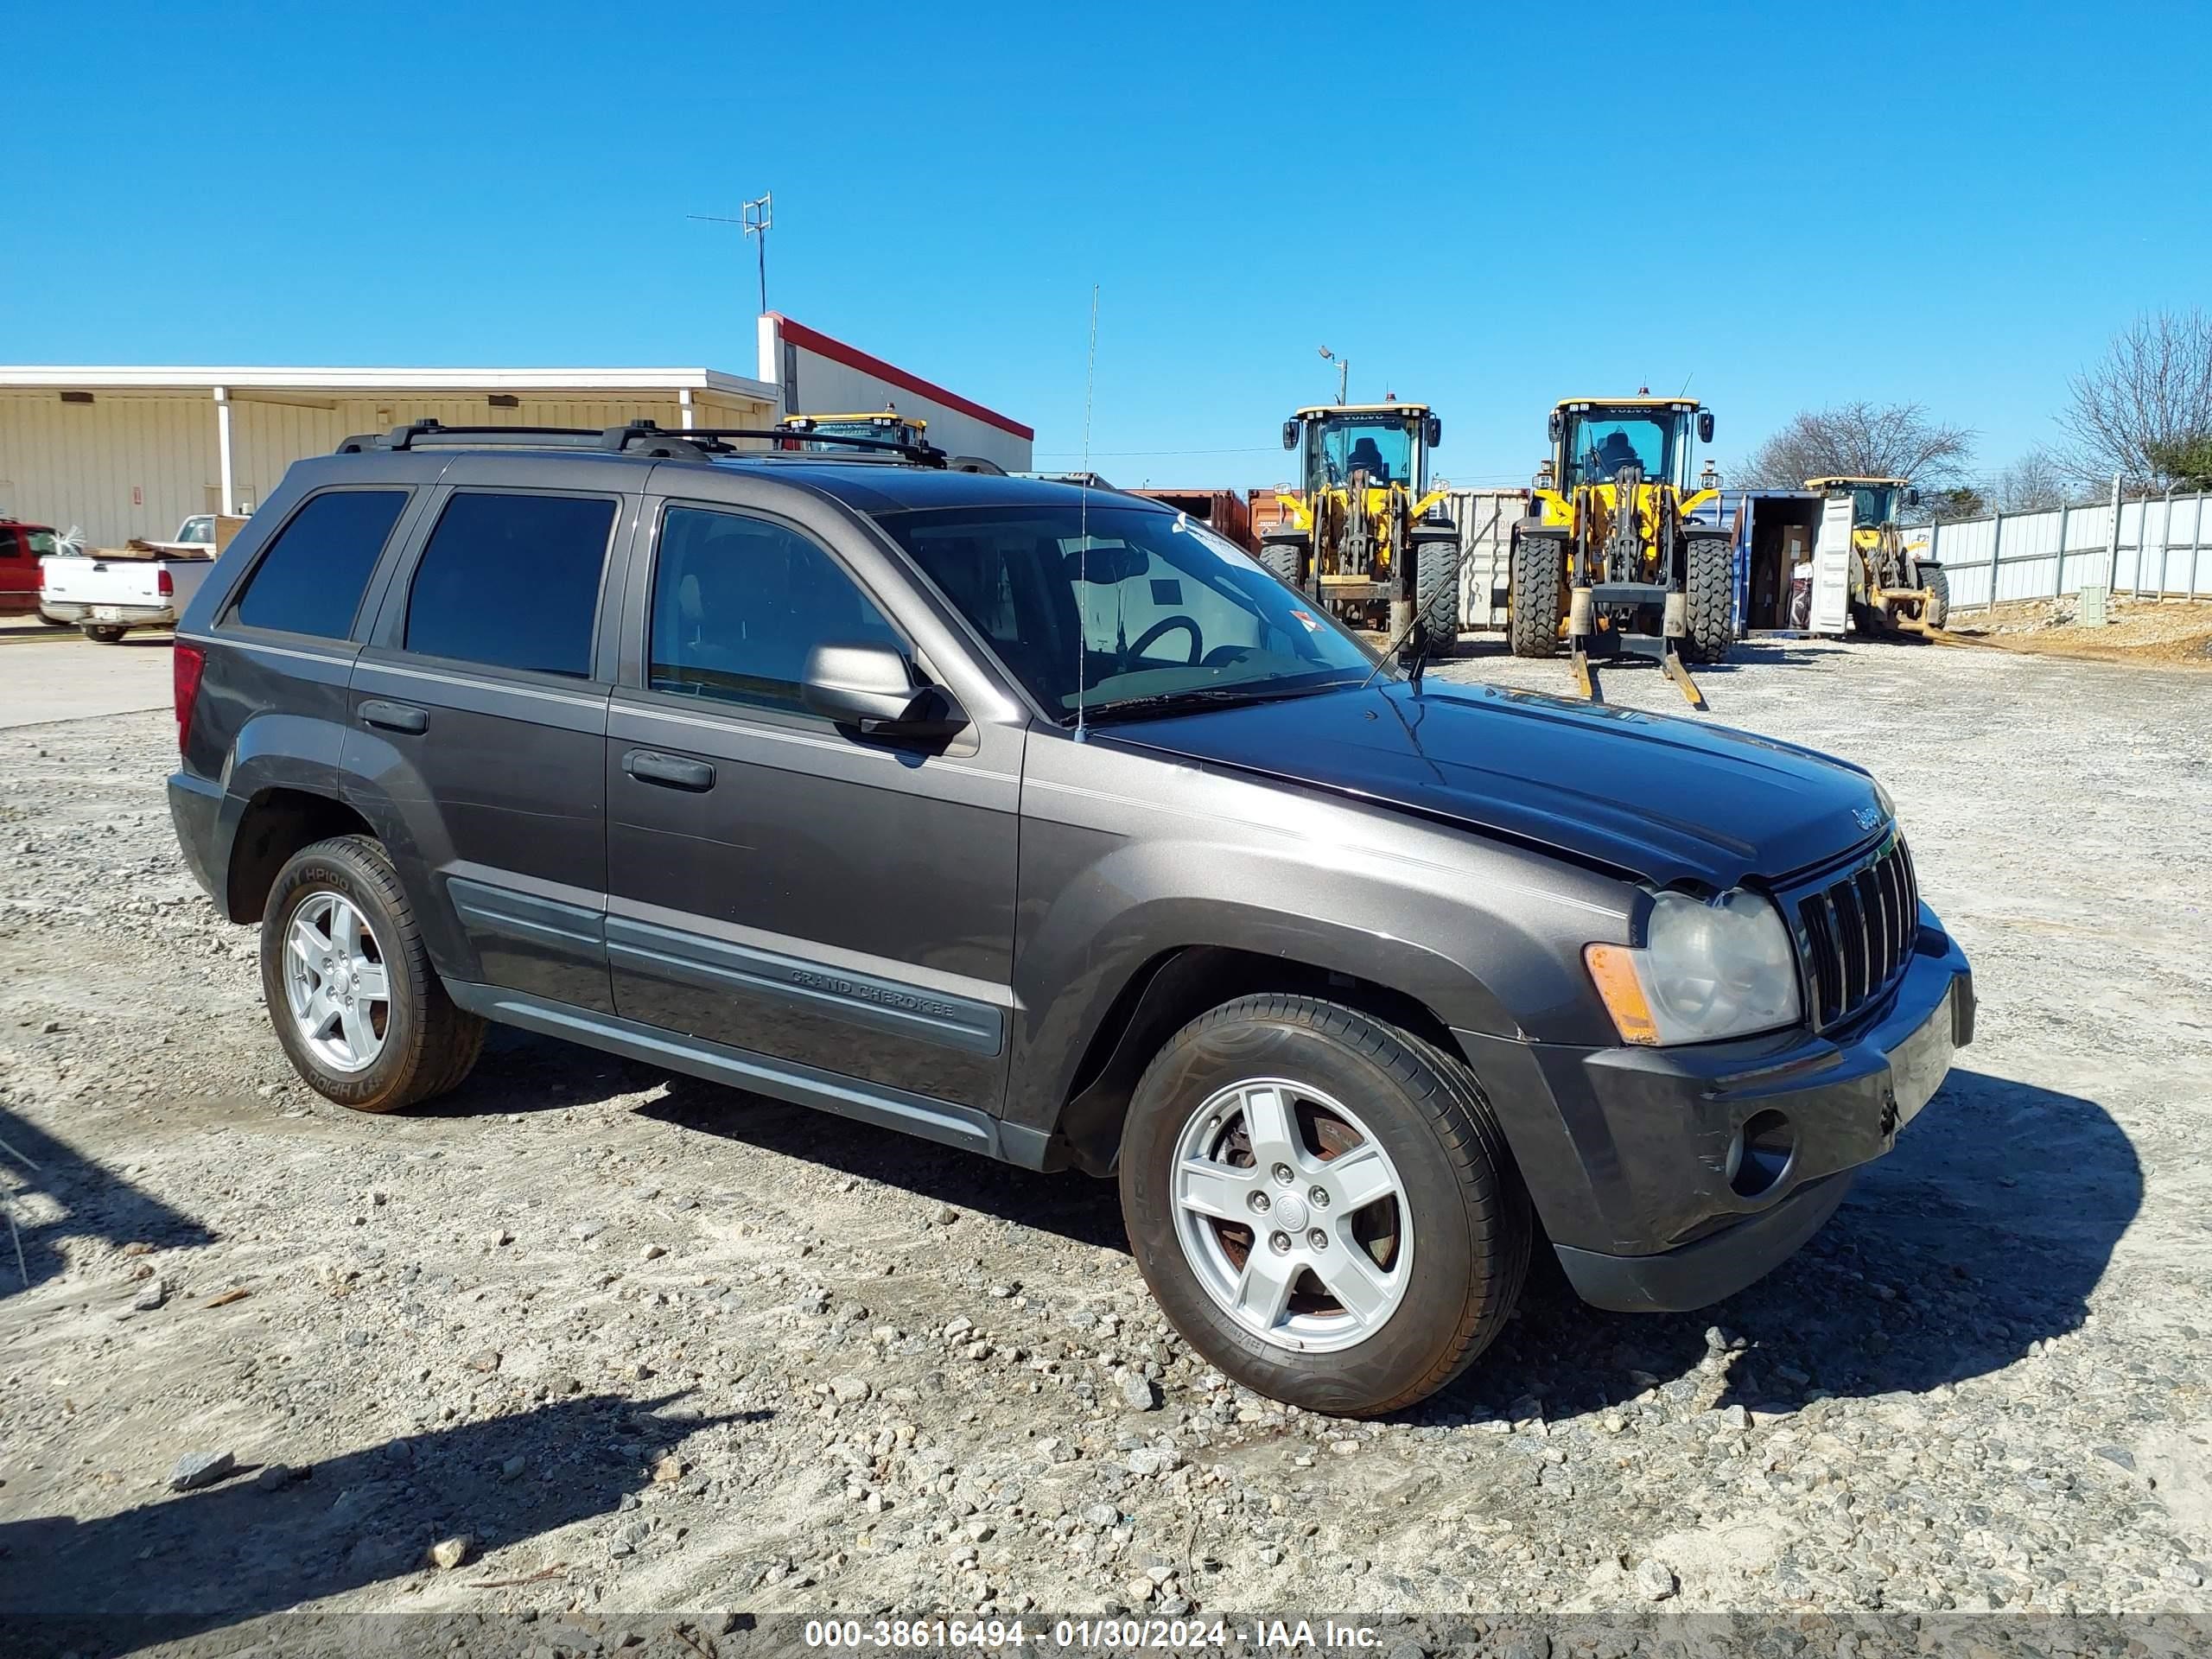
757	215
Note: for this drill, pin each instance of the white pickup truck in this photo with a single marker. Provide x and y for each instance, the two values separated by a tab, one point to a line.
109	591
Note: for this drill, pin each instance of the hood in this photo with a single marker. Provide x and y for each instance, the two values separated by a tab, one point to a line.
1654	797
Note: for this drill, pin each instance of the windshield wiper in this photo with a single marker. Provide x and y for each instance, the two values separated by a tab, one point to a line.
1204	696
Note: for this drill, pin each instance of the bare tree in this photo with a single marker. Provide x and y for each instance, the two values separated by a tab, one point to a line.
2033	482
2145	403
1862	440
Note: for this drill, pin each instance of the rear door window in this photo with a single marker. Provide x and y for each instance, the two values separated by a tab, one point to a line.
511	581
311	578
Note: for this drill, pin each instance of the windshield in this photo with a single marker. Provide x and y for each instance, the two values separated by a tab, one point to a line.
1153	606
1872	506
1599	444
1378	445
880	431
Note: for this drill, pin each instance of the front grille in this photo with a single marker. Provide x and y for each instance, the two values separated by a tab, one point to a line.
1857	931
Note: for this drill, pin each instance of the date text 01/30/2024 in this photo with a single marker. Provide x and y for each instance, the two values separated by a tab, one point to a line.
1166	1633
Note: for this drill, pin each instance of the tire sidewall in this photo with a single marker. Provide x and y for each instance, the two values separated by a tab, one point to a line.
1416	1337
338	869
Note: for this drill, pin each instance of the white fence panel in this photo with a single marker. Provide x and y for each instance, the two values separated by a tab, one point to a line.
2163	546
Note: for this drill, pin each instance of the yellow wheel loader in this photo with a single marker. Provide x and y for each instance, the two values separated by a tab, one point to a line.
1888	587
1363	534
1610	561
887	425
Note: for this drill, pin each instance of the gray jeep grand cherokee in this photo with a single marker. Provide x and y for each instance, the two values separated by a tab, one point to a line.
1041	821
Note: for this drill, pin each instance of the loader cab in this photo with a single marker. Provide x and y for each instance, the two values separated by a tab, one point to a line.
820	432
1874	501
1389	443
1593	438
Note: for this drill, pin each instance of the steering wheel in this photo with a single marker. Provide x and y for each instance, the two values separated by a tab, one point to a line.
1166	625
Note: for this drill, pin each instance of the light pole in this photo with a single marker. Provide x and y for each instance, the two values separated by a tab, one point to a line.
1344	372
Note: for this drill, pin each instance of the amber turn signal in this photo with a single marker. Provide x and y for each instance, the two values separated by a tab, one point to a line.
1612	970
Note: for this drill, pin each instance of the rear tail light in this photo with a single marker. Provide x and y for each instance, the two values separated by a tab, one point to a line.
186	662
164	584
42	575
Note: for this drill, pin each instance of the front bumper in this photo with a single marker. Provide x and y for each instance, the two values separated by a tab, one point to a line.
1636	1158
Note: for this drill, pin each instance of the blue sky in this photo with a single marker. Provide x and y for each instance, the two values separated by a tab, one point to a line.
1956	205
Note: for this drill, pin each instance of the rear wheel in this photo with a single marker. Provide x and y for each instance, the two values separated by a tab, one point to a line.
1539	581
1283	557
102	634
1710	600
1935	609
1323	1204
1436	576
360	1010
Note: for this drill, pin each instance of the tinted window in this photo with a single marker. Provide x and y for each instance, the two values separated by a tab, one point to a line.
1129	605
511	581
310	579
739	602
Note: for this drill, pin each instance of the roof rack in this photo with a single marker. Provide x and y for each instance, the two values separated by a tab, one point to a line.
642	436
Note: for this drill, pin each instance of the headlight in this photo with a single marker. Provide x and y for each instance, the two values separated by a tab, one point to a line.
1707	971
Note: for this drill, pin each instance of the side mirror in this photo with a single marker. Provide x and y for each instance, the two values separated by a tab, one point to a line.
872	686
1290	434
1434	430
1911	497
1558	426
1704	426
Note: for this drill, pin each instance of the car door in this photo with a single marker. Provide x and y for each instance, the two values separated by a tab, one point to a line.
18	570
781	885
479	719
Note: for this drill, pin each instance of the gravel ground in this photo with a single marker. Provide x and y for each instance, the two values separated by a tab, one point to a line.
647	1343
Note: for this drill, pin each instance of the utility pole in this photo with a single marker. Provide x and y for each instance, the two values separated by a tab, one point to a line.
757	215
1344	372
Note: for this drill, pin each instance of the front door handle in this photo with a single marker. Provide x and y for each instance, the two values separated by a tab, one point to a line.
649	767
394	716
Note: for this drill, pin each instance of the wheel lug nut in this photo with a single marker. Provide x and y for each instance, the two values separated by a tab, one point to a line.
1319	1198
1284	1174
1279	1243
1318	1239
1258	1202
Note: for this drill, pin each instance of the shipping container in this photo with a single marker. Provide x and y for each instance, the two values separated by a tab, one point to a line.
1224	511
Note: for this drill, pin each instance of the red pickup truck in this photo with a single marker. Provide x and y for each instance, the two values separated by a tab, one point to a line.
22	546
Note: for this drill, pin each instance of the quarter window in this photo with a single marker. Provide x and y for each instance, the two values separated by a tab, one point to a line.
311	578
740	602
511	581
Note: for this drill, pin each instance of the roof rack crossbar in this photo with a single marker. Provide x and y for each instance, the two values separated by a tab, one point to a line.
927	454
691	442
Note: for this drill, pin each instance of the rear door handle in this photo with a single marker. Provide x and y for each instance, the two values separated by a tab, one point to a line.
394	716
649	767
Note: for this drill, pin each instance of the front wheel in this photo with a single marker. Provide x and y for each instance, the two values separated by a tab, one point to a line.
1283	557
1323	1205
357	1005
1935	609
1539	593
1710	600
1436	577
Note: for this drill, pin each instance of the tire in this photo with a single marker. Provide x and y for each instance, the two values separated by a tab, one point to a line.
1936	610
1538	574
1710	600
102	634
426	1045
1436	586
1283	557
1442	1288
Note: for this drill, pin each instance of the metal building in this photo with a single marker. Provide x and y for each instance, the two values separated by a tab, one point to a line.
124	452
